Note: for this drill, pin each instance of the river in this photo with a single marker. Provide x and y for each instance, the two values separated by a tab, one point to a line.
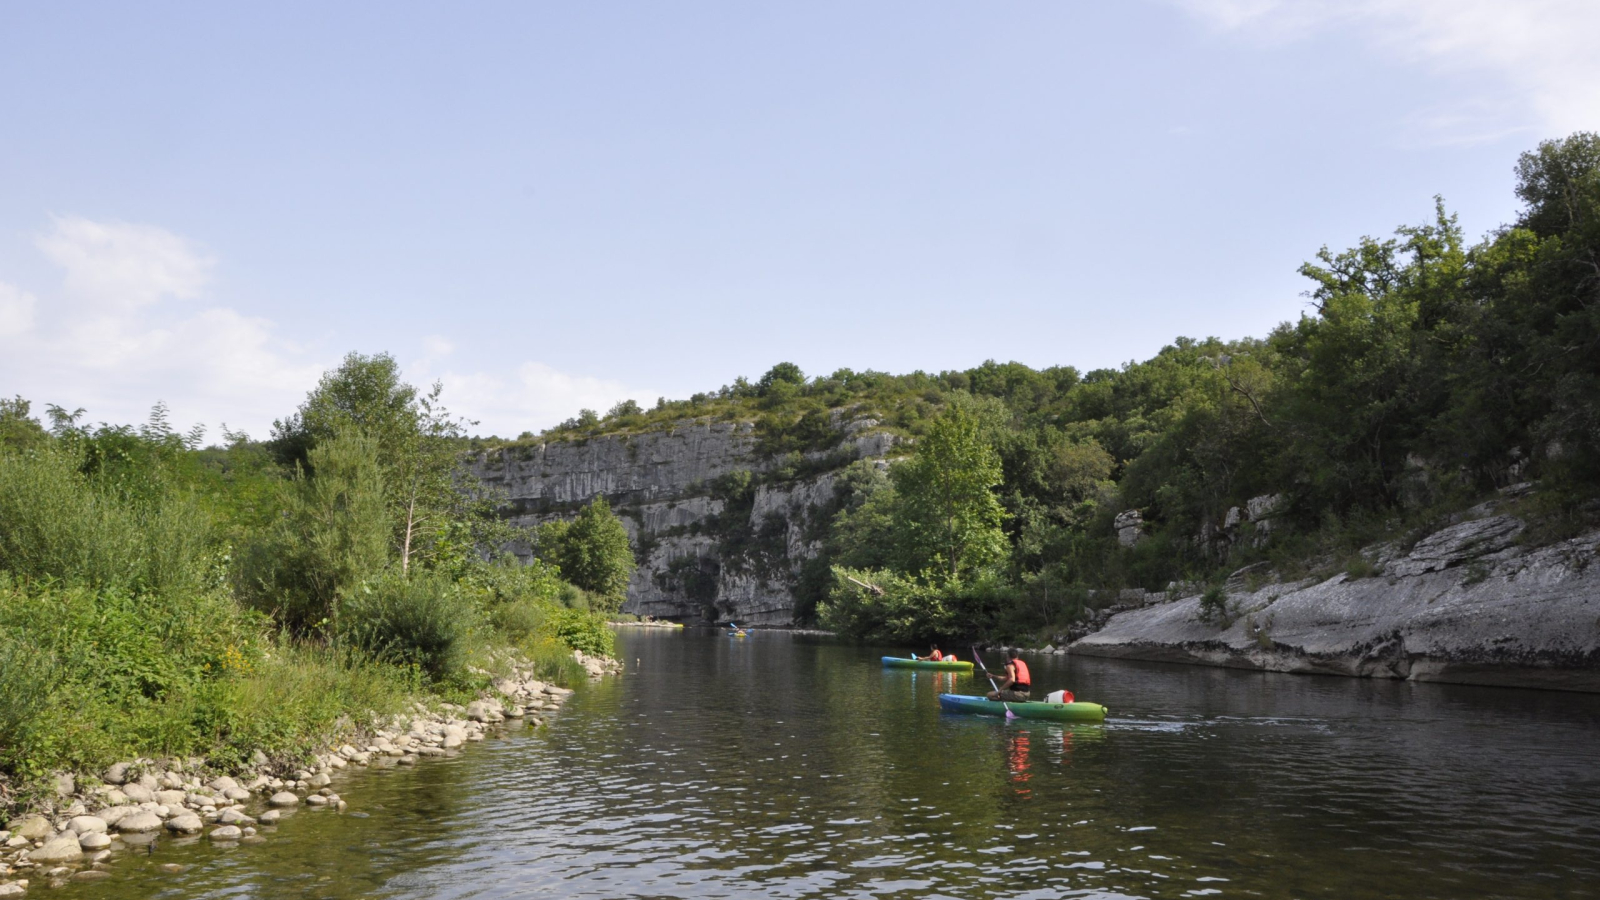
785	766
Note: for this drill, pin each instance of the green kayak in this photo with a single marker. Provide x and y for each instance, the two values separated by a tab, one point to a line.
900	662
1033	709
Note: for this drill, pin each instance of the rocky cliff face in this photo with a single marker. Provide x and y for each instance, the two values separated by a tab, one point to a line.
1465	605
710	544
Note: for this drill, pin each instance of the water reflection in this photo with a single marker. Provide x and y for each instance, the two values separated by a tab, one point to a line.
773	766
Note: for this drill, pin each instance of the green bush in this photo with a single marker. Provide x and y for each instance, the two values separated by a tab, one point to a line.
29	676
884	605
425	621
576	598
521	620
334	533
584	631
59	524
1214	605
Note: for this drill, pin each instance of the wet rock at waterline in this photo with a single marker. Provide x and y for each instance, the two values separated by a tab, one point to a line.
139	822
57	849
234	817
187	823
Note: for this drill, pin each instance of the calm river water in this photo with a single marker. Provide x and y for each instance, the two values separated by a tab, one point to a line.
783	766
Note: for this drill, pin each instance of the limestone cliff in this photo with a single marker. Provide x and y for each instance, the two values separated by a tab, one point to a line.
1467	604
711	543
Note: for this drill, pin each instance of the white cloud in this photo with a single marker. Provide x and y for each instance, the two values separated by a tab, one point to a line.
437	347
16	311
534	397
1539	54
118	263
111	340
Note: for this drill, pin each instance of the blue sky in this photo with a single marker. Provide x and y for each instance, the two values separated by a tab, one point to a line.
552	206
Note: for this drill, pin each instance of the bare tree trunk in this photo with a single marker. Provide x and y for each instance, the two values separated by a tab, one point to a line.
411	523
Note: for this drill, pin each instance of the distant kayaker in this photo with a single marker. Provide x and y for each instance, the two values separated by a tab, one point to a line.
1014	685
933	654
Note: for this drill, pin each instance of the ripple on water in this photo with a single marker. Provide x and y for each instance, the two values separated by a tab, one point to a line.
804	771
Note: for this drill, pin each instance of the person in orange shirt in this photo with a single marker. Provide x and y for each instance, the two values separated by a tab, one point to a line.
1014	685
933	655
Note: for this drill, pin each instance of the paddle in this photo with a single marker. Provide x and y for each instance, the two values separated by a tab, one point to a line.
985	669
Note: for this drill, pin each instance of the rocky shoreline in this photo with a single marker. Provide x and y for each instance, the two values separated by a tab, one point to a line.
1469	604
77	836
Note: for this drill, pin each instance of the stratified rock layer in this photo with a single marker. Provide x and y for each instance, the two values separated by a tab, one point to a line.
661	484
1465	605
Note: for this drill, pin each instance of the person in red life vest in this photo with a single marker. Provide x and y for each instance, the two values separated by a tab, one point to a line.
1014	685
934	654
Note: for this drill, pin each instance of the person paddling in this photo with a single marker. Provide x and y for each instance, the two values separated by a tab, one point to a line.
933	654
1014	685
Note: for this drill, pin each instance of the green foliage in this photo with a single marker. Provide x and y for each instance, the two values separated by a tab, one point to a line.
586	631
18	429
426	621
58	523
334	532
946	517
1214	605
129	627
784	373
365	395
30	676
887	606
591	551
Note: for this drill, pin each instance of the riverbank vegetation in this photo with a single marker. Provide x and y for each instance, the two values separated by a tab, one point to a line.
159	598
1428	374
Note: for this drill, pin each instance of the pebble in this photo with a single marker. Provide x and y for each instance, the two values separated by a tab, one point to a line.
285	798
270	817
227	833
98	840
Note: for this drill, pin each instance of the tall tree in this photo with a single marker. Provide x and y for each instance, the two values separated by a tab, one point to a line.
365	393
947	516
591	551
426	477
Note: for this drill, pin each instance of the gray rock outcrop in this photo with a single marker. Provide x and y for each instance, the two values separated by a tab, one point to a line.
662	485
1465	605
